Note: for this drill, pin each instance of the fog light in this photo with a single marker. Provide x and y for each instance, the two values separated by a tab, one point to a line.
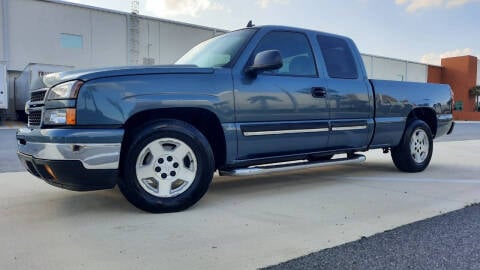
50	171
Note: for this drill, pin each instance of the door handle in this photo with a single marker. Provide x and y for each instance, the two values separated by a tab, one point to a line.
319	92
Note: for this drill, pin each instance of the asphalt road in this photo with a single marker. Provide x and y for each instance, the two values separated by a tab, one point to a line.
448	241
463	131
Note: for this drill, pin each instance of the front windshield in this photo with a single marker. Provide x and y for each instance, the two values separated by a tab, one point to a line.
218	51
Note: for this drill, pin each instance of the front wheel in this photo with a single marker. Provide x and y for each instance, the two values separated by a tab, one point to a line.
167	167
414	152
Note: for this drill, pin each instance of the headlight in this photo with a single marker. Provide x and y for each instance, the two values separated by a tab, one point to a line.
67	90
60	117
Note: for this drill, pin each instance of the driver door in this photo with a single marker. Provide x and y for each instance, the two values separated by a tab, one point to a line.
283	111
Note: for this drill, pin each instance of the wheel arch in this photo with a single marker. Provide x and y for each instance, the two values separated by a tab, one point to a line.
428	115
204	120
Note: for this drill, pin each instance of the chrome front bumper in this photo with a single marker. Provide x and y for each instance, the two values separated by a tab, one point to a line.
71	144
92	156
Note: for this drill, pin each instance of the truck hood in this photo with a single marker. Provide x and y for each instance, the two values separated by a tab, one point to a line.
91	74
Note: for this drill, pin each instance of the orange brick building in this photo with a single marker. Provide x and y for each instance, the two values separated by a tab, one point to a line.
461	73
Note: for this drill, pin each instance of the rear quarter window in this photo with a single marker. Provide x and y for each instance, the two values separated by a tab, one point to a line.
338	58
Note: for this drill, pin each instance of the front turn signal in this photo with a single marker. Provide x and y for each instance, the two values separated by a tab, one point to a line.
71	116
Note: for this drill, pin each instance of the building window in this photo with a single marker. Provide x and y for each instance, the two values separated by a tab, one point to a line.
70	41
458	105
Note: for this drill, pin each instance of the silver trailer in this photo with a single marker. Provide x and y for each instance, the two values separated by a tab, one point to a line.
28	80
3	87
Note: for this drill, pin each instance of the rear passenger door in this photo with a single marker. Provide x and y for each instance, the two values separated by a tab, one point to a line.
349	93
275	111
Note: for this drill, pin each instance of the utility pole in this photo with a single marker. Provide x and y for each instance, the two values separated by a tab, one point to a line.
133	34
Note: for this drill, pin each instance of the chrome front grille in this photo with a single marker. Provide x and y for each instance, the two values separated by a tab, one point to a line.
35	107
38	95
35	118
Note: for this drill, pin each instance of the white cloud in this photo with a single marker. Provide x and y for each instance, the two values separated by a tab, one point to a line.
414	5
172	8
267	3
453	3
435	59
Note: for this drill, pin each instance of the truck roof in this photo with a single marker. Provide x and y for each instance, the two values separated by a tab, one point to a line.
290	28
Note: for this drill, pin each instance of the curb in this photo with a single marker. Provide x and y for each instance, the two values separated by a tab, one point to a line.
11	125
467	122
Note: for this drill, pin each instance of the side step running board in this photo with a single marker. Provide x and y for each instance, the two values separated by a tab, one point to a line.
356	158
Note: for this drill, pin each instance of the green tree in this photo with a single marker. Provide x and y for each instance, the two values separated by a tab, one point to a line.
475	93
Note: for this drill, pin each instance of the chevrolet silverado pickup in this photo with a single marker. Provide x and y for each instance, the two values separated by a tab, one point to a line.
257	100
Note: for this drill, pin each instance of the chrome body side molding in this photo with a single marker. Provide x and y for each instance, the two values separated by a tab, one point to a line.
348	128
297	131
287	131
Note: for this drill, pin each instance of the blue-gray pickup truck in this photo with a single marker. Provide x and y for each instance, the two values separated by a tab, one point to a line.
256	100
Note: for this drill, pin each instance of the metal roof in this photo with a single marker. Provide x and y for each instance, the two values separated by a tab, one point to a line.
398	59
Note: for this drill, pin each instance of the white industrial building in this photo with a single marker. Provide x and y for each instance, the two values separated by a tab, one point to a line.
52	33
385	68
47	35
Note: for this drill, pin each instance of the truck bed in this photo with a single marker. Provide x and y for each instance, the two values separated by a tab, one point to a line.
395	100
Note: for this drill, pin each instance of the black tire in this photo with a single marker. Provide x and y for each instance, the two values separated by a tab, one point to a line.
314	158
402	155
141	137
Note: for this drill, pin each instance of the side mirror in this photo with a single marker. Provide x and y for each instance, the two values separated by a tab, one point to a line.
266	60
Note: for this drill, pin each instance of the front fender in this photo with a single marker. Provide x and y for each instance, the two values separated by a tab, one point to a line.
112	101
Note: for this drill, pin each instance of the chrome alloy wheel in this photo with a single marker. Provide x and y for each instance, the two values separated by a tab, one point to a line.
166	167
419	146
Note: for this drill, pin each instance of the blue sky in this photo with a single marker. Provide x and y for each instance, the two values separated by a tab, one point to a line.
417	30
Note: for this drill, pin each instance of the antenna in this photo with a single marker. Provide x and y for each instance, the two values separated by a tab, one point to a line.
135	6
250	24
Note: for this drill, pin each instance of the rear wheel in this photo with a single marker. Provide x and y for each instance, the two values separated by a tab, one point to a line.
414	152
167	167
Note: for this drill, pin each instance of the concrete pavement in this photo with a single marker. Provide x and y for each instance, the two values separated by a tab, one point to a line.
8	152
242	223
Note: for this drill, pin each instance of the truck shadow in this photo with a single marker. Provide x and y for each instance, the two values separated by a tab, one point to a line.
113	202
320	176
225	188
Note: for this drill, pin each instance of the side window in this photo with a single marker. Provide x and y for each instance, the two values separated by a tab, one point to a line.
296	53
338	58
